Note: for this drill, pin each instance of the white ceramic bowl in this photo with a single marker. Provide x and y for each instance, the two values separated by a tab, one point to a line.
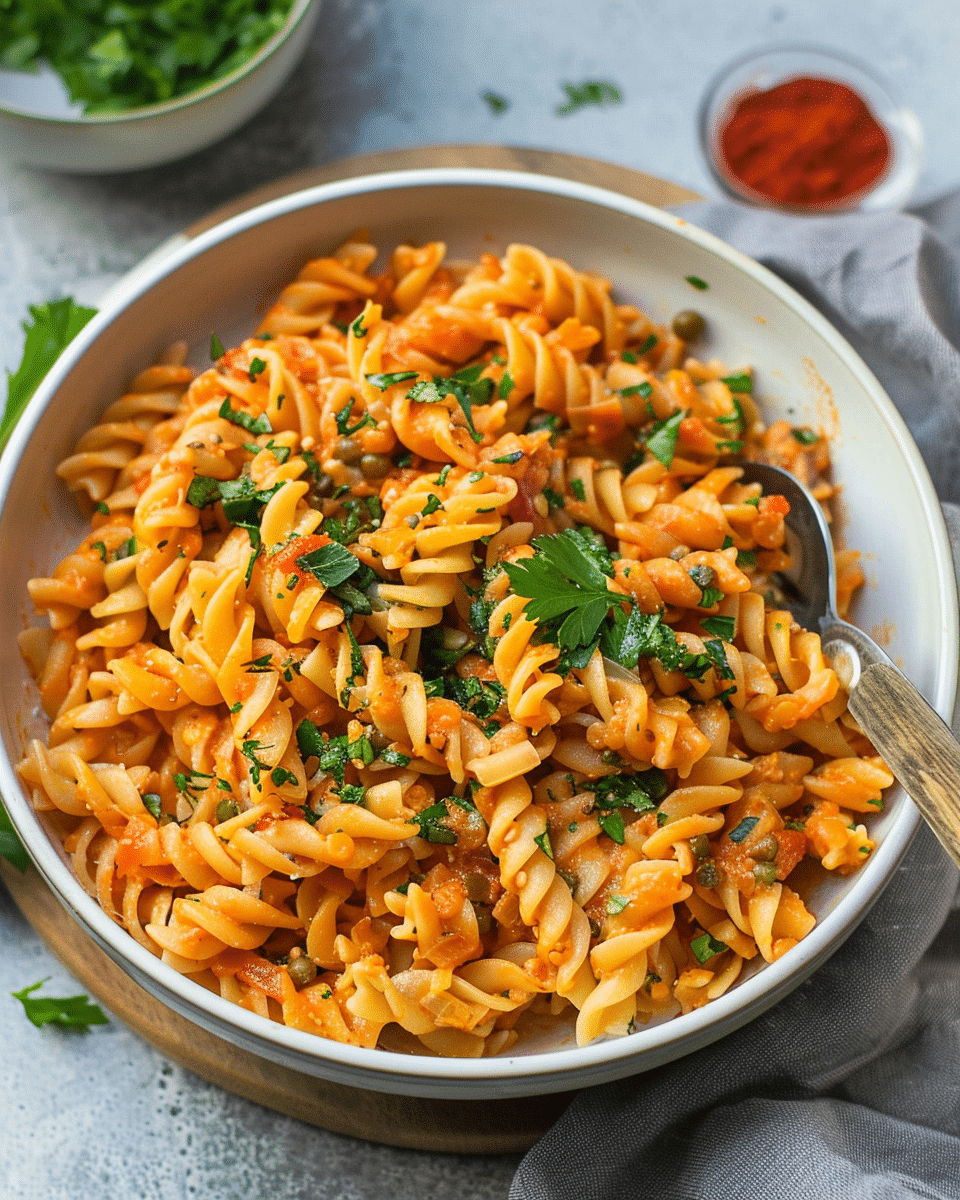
39	127
222	279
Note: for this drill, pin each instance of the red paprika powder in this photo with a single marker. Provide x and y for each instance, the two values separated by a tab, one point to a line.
805	142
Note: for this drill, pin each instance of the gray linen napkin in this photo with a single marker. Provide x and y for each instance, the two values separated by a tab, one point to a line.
850	1087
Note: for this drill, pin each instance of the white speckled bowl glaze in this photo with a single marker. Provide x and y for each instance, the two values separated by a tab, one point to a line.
40	128
220	282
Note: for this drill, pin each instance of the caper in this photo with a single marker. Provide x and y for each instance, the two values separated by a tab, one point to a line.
324	485
484	919
226	809
766	849
765	873
679	552
301	969
347	451
700	845
689	325
707	874
374	466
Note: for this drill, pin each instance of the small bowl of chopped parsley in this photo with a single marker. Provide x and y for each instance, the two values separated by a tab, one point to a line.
101	85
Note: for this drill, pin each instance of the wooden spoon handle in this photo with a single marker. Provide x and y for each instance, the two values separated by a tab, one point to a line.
916	745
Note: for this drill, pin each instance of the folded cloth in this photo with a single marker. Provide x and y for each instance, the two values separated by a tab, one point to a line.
850	1087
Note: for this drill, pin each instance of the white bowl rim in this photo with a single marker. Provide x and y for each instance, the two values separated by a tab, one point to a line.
298	10
556	1068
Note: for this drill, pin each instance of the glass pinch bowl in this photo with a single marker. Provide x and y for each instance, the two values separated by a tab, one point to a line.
764	69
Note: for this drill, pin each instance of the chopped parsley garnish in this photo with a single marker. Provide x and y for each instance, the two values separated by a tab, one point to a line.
577	488
648	345
362	514
257	666
431	506
721	627
616	904
101	549
357	327
394	757
638	389
710	597
662	439
641	793
806	437
695	281
216	348
480	697
746	560
431	824
506	386
151	802
497	104
509	459
257	367
343	420
67	1012
743	830
592	91
467	388
310	741
382	381
191	782
543	841
742	383
553	499
332	564
705	947
715	653
259	424
102	508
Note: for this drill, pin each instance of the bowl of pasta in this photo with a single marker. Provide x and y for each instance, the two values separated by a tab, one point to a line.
404	693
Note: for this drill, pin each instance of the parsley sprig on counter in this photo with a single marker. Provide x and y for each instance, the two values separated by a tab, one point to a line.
566	583
68	1012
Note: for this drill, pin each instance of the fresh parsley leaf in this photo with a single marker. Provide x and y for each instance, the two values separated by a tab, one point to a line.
332	564
616	904
382	381
662	439
257	367
357	327
593	91
705	947
553	499
577	489
506	386
695	281
742	383
67	1012
310	741
203	490
715	653
431	506
116	57
710	597
638	389
258	424
498	104
11	848
806	437
648	345
562	579
721	627
216	348
54	326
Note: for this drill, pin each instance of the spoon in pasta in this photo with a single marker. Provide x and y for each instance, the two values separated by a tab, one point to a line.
908	734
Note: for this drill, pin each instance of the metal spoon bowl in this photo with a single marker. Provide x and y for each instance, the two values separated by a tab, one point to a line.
908	734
